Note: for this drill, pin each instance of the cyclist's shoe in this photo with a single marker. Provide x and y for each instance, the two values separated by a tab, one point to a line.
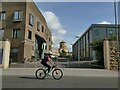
49	70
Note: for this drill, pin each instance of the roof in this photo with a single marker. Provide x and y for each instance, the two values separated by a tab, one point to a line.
97	25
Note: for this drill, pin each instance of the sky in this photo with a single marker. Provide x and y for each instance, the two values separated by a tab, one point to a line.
66	20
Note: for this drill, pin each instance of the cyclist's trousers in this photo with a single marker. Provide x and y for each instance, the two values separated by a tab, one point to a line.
45	64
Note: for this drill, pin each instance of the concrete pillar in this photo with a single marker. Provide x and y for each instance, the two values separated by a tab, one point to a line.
106	54
6	54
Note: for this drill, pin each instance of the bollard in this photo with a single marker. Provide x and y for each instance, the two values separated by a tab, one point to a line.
68	63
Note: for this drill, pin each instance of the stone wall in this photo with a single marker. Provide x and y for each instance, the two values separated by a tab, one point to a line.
113	55
110	55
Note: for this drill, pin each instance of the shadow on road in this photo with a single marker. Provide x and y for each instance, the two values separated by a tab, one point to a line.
30	78
26	77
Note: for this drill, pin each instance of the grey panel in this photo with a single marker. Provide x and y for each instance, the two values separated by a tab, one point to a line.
1	55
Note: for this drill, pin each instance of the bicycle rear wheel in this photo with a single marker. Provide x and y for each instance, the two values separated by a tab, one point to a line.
40	74
57	74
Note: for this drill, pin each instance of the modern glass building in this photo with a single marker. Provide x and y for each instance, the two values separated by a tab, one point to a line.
82	47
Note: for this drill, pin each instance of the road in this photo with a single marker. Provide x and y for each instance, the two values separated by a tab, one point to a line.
25	81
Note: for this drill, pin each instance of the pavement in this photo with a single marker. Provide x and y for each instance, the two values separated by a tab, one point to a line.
67	72
68	68
61	64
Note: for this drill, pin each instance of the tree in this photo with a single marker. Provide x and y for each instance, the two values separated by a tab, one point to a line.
63	53
98	47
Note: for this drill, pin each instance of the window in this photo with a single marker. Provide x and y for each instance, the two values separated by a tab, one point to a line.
49	39
46	47
49	47
17	15
1	34
29	34
2	15
16	33
38	26
97	32
42	29
45	31
31	19
110	32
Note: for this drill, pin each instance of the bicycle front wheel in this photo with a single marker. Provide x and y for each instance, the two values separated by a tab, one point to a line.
57	74
40	74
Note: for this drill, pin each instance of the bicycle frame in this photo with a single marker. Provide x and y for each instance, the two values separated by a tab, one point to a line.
53	72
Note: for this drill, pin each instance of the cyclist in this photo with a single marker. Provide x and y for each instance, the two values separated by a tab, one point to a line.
47	58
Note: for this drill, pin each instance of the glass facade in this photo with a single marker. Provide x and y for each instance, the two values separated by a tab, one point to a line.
87	46
111	32
99	33
82	48
84	45
90	41
96	32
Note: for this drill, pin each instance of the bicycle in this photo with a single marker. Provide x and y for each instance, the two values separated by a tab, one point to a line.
57	73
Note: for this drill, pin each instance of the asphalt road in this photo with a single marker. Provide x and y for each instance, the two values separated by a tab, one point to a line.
65	82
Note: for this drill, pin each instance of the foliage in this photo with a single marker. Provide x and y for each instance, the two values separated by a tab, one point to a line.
98	47
63	54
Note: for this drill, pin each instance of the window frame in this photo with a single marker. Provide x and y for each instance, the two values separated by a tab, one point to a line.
38	26
49	47
29	34
2	34
18	14
31	19
16	34
49	39
2	15
42	28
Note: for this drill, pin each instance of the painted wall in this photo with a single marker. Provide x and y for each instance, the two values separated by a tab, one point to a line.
5	54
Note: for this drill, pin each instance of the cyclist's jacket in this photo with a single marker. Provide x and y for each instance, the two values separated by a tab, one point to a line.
45	59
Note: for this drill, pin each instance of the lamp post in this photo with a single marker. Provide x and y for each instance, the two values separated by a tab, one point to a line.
78	49
117	33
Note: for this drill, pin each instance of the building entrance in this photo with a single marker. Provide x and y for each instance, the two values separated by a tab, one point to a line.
39	47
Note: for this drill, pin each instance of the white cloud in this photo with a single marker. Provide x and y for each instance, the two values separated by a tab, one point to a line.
62	31
104	22
69	46
55	26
